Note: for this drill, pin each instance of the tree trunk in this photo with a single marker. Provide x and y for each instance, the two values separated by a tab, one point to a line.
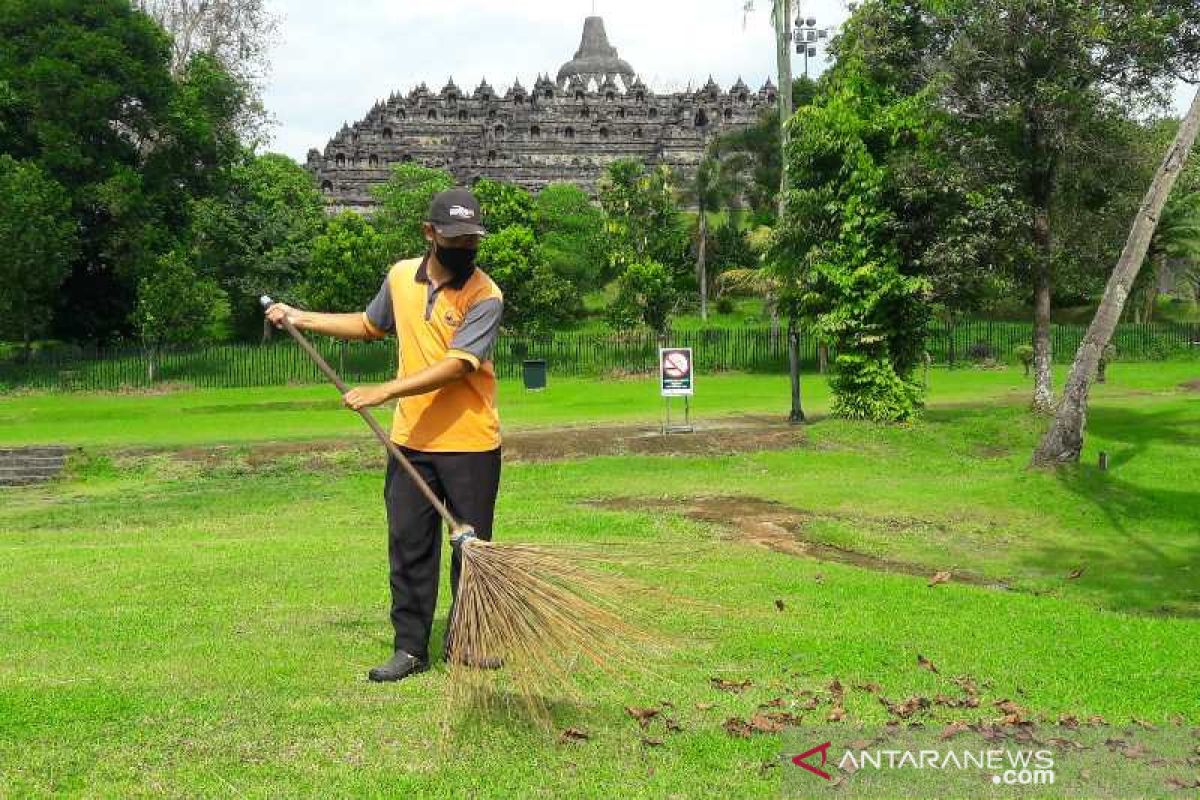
796	415
1063	442
702	266
27	341
823	357
1043	379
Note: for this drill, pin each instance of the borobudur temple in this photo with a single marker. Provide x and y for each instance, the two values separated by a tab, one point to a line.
568	129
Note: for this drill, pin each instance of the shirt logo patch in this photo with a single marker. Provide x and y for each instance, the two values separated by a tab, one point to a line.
452	319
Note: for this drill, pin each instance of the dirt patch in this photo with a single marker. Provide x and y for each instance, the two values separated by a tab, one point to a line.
1191	386
778	527
748	434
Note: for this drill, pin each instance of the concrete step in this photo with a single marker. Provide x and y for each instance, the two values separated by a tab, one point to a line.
26	481
10	472
33	462
36	450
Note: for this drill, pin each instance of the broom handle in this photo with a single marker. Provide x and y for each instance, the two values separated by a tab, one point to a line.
456	527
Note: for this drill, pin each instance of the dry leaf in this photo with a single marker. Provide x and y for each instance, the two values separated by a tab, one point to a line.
871	688
952	730
966	684
731	686
1096	721
836	715
1134	750
651	742
925	663
764	724
782	717
906	708
573	735
1068	721
819	578
672	725
737	727
1183	783
1075	573
1143	724
642	715
704	706
940	577
776	702
778	604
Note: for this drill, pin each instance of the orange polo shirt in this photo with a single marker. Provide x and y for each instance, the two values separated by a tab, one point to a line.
459	319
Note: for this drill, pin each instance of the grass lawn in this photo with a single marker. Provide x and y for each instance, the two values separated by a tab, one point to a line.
202	628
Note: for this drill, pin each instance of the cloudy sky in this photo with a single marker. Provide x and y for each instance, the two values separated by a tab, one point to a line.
334	59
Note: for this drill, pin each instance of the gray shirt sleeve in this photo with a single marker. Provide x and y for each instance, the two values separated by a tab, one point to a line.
380	311
477	333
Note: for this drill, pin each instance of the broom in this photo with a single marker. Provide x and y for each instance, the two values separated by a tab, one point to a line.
540	614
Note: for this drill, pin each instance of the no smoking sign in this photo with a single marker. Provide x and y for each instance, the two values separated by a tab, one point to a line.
675	371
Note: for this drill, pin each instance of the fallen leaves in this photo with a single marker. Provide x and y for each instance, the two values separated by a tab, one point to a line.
573	735
772	722
1075	573
952	730
779	604
642	715
939	577
925	663
905	708
704	706
650	742
737	687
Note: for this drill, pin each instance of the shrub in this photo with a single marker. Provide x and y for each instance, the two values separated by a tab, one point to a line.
982	351
725	305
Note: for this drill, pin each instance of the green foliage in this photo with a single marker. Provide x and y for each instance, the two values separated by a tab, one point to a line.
1024	354
256	237
176	305
39	239
349	260
730	248
643	220
646	294
837	252
503	204
536	300
404	205
570	230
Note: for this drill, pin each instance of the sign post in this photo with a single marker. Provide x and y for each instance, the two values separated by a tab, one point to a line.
676	379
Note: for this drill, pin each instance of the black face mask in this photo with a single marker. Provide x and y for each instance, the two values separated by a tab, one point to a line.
459	260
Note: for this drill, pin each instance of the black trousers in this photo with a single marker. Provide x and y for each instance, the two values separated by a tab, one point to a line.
467	483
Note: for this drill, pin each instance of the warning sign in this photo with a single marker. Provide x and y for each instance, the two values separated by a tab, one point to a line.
675	371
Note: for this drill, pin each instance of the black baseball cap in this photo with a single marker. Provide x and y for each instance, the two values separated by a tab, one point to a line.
456	212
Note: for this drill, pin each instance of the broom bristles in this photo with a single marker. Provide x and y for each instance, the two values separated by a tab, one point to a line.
546	617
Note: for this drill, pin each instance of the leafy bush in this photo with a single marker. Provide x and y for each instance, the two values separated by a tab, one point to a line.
725	305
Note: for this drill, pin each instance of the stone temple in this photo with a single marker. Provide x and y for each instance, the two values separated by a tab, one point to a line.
568	129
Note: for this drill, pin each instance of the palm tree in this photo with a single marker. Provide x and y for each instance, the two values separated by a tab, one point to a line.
714	187
1176	237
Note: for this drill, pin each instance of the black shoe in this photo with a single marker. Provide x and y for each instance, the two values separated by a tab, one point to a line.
400	666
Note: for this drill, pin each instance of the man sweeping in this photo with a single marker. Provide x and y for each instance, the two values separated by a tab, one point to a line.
445	314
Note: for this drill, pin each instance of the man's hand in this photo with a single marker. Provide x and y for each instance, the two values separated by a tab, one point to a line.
277	312
367	396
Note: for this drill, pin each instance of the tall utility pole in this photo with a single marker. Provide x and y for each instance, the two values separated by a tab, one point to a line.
782	10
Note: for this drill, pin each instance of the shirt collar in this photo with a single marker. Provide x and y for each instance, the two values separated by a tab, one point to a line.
459	282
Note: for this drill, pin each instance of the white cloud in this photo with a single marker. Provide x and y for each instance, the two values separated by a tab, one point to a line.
336	59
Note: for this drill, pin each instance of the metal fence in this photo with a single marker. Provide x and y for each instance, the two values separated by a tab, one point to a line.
749	349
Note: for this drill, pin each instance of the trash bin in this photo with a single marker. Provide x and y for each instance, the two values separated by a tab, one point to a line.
534	372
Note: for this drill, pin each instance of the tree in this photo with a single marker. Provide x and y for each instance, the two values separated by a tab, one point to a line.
1063	442
711	189
257	236
643	222
237	33
503	204
40	238
404	203
570	230
1176	237
645	293
88	87
176	306
535	299
1032	73
349	259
